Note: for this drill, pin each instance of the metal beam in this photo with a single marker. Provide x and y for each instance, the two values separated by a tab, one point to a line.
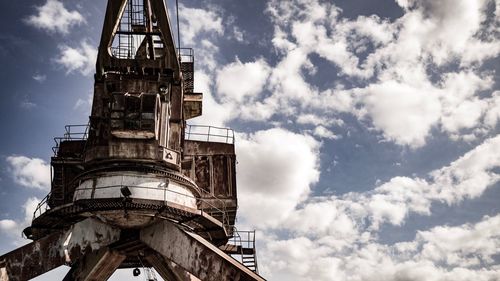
95	266
32	260
194	254
57	249
164	268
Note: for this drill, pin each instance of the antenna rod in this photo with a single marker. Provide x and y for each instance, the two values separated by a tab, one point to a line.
178	28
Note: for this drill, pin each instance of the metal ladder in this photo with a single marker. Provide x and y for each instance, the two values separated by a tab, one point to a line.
245	252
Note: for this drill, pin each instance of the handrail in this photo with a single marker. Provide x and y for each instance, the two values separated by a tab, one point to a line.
244	240
186	54
71	133
42	207
203	204
209	134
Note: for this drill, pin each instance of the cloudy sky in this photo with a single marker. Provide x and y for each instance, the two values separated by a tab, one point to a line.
368	130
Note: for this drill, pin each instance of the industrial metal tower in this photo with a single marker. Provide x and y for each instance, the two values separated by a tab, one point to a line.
137	187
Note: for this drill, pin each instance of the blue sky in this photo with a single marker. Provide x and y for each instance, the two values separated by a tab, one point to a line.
367	130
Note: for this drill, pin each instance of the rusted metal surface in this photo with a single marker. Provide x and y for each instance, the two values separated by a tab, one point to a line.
192	105
135	184
95	266
166	268
32	259
194	254
213	168
57	249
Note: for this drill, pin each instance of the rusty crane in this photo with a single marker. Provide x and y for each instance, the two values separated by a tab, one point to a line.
138	187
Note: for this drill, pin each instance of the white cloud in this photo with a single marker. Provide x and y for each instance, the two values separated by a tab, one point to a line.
390	203
198	21
405	114
315	119
54	17
462	108
29	172
493	113
14	228
409	79
40	77
235	92
238	34
232	87
470	175
435	254
213	113
467	177
29	208
276	169
80	59
7	225
322	132
465	245
84	104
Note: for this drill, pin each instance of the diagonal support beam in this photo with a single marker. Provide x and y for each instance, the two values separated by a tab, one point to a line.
194	254
57	249
32	259
96	266
165	268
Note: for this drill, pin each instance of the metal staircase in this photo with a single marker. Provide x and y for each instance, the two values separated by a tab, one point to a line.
186	56
242	248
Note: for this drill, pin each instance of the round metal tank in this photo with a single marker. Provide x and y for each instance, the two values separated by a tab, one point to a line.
148	189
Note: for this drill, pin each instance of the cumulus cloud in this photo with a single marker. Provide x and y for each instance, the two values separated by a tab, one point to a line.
338	235
214	113
313	119
322	132
198	21
492	115
276	169
54	17
81	59
465	245
29	172
416	109
7	225
14	227
231	86
304	258
415	74
467	177
235	92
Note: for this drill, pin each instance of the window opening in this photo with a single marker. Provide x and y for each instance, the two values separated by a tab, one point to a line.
134	112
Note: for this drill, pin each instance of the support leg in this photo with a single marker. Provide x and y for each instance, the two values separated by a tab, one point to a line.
95	266
32	260
194	254
164	268
54	250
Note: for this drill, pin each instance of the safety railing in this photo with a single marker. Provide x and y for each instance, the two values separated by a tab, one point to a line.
186	54
72	132
244	238
42	207
203	204
246	253
209	134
